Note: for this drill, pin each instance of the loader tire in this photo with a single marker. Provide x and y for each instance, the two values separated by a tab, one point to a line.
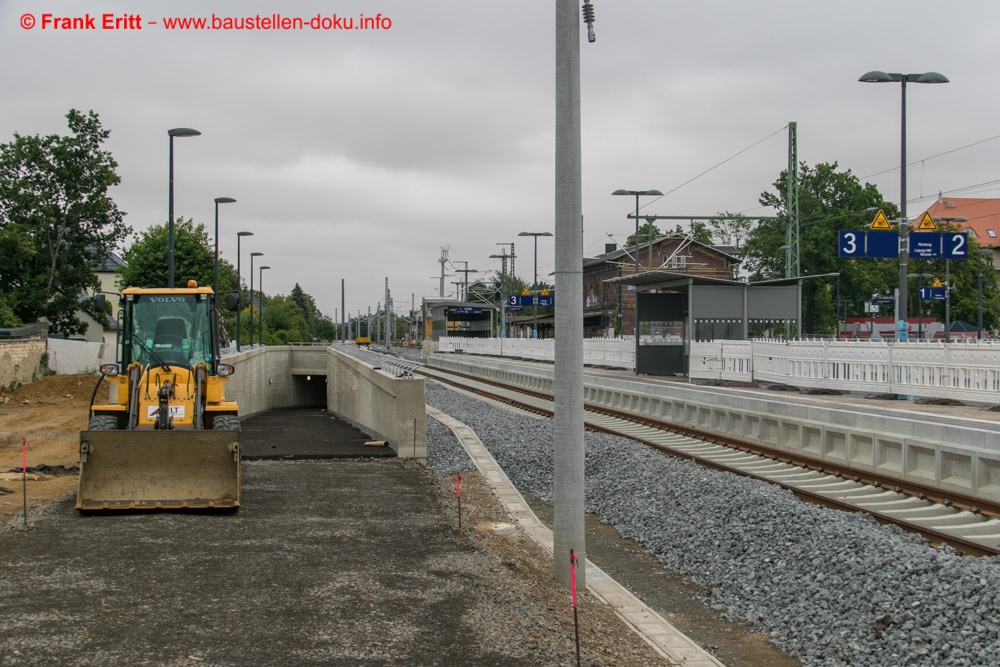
226	423
103	423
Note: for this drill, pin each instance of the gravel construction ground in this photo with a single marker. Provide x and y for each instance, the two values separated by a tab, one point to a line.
347	563
357	562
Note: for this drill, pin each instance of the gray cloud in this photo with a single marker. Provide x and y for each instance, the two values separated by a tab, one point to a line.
358	155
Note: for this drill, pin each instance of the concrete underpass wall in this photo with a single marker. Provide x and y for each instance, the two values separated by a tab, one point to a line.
391	409
387	408
263	379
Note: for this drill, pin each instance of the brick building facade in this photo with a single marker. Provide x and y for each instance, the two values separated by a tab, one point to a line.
604	304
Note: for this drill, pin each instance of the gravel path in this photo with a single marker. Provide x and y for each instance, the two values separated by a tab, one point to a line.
829	587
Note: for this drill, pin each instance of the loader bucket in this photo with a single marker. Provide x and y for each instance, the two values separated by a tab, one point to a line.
159	470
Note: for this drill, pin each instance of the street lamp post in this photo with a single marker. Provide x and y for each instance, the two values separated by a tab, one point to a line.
947	282
534	284
920	311
637	194
892	77
218	200
982	252
239	286
176	132
260	281
252	255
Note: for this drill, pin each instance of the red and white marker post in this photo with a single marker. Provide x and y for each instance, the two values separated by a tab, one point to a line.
576	619
24	477
458	491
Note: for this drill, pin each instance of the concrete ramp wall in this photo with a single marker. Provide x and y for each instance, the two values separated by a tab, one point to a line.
385	407
389	408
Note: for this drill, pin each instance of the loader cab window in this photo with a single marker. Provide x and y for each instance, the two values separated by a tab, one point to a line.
169	329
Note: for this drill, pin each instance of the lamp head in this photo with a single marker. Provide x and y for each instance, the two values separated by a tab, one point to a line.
876	76
931	77
225	200
244	233
183	132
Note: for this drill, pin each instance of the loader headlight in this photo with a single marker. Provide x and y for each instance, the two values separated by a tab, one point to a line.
109	370
225	370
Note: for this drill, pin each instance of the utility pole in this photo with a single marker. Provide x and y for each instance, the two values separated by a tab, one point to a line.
388	315
466	271
503	256
444	260
568	527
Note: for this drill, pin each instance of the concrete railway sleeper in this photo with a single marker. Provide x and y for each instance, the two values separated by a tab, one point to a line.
967	524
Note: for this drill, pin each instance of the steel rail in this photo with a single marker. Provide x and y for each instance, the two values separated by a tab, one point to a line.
928	494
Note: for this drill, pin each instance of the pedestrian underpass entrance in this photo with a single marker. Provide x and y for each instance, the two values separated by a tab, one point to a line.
309	391
328	381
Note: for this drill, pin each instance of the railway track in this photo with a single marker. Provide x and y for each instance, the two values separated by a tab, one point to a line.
966	524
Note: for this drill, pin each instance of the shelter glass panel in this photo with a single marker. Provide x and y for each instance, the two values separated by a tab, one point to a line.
661	333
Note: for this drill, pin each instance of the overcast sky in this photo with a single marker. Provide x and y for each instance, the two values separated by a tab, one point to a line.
360	154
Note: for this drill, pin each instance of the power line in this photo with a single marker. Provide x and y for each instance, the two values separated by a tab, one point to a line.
953	150
713	168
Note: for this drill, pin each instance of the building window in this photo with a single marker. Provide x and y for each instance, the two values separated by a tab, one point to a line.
991	233
972	233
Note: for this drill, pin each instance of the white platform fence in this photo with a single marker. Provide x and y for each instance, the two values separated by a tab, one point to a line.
967	370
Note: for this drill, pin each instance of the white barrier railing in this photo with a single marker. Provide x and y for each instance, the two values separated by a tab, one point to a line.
616	352
967	370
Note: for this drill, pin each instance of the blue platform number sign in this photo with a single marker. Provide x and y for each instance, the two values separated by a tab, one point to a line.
925	245
955	245
932	294
882	245
852	243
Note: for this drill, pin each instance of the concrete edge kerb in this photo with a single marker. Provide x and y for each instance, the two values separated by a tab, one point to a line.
663	637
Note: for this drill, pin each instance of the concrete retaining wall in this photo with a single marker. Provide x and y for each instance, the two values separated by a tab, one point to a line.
958	458
21	361
389	408
384	407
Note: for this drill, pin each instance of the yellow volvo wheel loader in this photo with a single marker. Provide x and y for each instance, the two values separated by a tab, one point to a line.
167	438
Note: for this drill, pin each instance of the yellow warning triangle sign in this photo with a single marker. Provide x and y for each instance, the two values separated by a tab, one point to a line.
927	223
525	292
880	221
545	292
937	283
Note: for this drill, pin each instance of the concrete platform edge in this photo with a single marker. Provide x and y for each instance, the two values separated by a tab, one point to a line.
667	640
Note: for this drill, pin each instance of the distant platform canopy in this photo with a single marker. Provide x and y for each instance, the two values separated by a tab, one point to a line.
469	319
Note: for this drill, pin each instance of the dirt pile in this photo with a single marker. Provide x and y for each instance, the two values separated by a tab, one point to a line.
48	415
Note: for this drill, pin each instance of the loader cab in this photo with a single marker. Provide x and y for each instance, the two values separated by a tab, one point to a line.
168	327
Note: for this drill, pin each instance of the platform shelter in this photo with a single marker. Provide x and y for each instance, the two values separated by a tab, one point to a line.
675	308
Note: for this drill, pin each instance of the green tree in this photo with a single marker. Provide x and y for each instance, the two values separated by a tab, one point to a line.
829	201
57	220
284	321
306	303
194	258
647	232
732	229
964	277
